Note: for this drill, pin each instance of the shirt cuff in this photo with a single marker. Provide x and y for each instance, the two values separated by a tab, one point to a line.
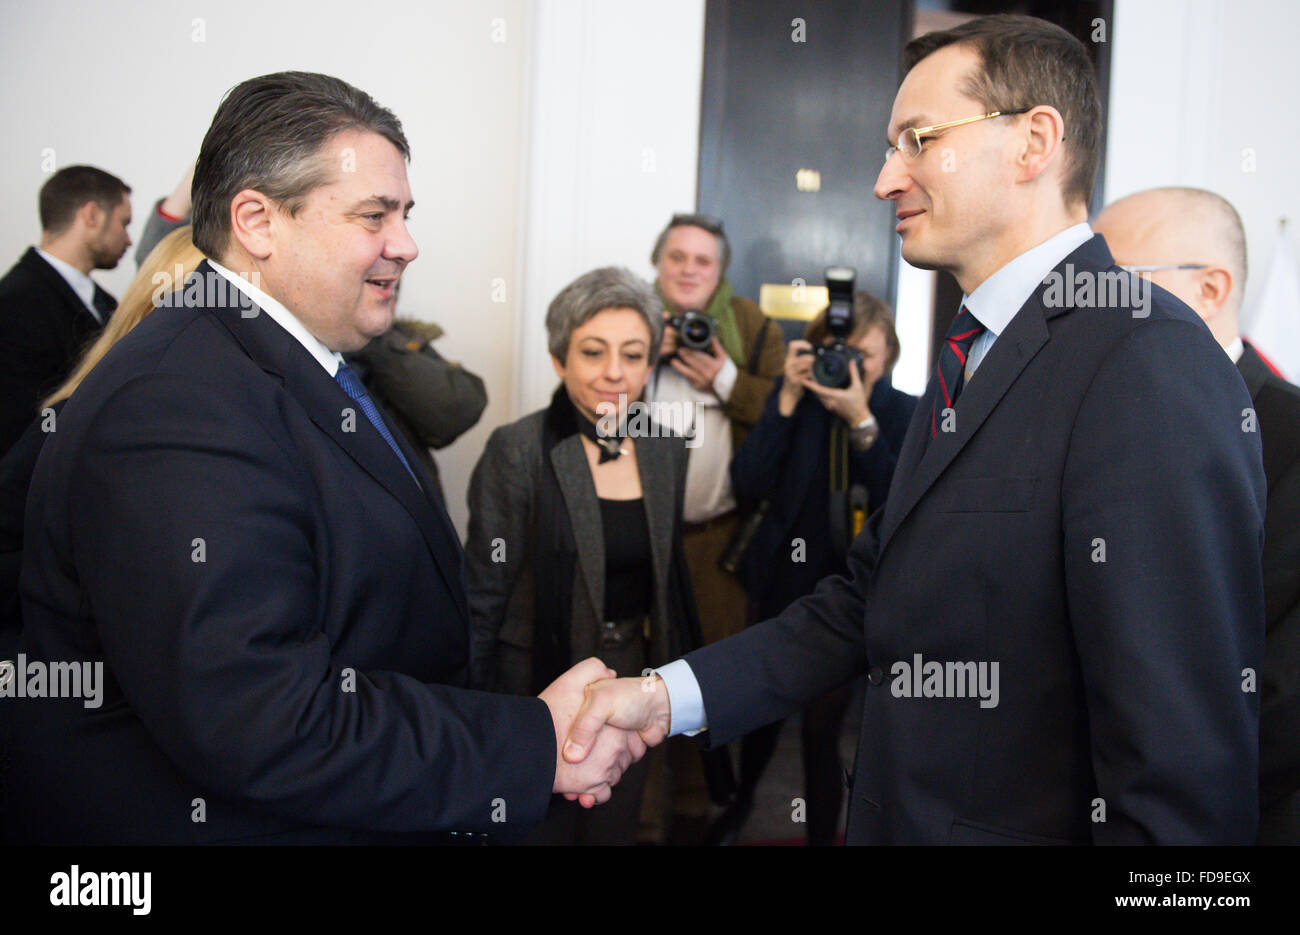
725	381
684	698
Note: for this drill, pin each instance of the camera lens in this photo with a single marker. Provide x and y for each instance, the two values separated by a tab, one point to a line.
831	368
696	331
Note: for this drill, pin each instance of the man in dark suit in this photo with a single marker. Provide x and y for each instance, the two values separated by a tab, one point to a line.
50	308
1059	609
255	599
1192	243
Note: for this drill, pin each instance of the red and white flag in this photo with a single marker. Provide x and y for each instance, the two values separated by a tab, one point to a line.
1272	325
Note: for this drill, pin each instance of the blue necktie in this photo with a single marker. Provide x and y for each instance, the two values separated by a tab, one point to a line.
352	385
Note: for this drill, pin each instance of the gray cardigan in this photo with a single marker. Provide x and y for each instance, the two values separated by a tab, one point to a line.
502	494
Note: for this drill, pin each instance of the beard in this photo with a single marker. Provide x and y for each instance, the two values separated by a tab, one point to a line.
105	259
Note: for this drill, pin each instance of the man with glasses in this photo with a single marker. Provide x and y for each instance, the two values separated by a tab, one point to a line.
1191	242
1059	609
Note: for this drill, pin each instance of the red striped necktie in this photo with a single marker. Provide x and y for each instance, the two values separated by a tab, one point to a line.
952	363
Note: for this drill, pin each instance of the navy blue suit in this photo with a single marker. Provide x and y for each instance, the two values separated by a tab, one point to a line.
1093	526
279	610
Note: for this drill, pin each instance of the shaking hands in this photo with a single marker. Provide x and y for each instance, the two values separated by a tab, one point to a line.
603	725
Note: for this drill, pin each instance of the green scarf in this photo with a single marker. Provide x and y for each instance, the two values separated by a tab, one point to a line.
724	317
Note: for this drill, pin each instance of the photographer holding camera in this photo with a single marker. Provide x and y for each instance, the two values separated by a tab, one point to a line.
821	458
719	359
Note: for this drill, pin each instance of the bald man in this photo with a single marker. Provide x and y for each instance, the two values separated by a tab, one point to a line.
1191	242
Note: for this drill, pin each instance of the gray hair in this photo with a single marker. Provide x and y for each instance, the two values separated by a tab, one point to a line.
267	135
607	287
703	222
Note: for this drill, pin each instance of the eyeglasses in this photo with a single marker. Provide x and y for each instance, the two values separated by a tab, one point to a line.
1161	267
909	141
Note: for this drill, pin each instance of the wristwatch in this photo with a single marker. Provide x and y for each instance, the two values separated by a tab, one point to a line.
864	434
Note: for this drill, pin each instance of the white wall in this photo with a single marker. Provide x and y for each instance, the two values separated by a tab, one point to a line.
613	146
1202	94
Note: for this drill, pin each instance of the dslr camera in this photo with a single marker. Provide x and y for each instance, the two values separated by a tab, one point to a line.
694	330
832	362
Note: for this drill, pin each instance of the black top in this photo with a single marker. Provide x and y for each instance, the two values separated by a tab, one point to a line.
628	568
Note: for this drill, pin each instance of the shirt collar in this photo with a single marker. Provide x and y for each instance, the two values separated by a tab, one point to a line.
997	299
81	284
328	359
1236	349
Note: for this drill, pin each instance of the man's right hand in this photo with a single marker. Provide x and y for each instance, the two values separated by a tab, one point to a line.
608	751
640	705
798	367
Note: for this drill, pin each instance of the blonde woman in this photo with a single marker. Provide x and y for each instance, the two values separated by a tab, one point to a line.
163	271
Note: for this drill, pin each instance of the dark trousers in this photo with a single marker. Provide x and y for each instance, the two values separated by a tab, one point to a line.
823	769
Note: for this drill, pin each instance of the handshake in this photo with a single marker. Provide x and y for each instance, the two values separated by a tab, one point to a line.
603	725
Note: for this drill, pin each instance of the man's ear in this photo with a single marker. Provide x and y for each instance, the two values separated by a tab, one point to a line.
252	220
91	215
1213	287
1043	142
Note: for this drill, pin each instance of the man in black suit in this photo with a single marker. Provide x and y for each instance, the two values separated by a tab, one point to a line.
50	308
1192	243
1059	609
255	597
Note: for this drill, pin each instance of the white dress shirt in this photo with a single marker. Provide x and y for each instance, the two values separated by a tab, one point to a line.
997	299
708	469
328	359
1236	349
993	303
81	284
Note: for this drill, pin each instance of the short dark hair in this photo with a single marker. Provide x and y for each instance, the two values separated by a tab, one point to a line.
868	312
73	186
267	135
702	221
1026	62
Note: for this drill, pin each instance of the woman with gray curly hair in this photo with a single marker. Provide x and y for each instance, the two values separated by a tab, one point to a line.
574	545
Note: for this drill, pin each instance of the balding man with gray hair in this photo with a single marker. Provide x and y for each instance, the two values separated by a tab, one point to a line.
1191	242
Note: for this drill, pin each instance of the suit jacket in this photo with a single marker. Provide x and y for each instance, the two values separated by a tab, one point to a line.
1277	404
44	326
502	495
786	461
1093	528
278	609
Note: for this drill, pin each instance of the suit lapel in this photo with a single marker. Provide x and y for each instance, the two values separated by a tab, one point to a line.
655	464
924	459
81	321
325	402
569	459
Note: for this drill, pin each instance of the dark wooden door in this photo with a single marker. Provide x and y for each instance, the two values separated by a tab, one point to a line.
792	86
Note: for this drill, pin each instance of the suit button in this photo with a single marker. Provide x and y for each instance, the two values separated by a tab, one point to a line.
875	676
